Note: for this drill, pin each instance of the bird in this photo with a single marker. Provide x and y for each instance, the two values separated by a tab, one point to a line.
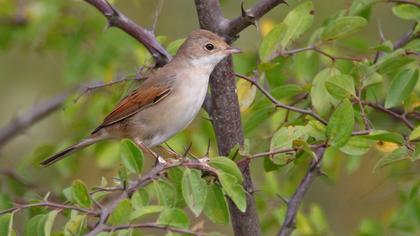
166	102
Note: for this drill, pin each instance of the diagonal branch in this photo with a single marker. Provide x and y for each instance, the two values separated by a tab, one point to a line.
294	202
249	16
211	16
145	37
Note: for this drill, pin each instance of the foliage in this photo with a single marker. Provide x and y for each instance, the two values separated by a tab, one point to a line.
308	87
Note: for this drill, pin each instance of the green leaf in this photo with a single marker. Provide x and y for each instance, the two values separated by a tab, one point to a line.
50	222
35	226
340	86
146	210
75	226
6	225
121	213
81	194
415	134
165	192
407	11
131	156
321	100
340	125
233	189
194	190
357	146
271	42
228	166
399	154
174	217
386	136
401	86
140	199
343	27
298	21
216	208
284	138
173	47
386	46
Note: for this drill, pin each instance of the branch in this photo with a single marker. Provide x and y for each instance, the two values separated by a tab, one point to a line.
249	16
294	202
398	116
154	173
279	104
210	15
35	114
153	226
316	49
145	37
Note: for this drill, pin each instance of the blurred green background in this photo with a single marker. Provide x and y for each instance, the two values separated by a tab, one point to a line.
66	43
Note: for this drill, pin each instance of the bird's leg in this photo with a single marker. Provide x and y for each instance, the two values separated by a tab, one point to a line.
145	148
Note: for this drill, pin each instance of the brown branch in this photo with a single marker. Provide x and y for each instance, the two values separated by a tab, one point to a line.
211	16
50	205
153	226
294	202
250	16
316	49
27	119
401	117
279	104
145	37
154	173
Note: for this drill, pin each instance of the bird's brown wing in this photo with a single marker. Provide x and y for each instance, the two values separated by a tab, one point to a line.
149	93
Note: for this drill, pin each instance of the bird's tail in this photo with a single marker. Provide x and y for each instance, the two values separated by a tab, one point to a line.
75	147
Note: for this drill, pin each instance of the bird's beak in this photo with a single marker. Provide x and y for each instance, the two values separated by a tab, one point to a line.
232	50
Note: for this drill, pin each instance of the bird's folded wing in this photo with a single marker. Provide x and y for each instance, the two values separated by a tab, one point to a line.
149	93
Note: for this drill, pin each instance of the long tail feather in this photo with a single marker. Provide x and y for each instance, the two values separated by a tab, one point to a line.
64	153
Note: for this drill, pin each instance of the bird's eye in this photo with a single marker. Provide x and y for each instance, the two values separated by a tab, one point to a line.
209	46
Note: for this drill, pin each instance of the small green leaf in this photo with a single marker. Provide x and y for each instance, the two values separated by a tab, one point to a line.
121	213
6	224
173	47
35	226
401	86
340	86
75	226
357	146
146	210
226	165
216	208
415	134
298	21
233	189
140	199
174	217
386	46
407	11
283	139
165	192
131	156
382	135
340	125
271	42
399	154
321	100
81	194
50	222
194	190
343	27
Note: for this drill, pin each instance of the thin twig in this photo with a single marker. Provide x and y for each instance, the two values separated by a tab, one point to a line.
398	116
313	48
279	104
294	202
157	14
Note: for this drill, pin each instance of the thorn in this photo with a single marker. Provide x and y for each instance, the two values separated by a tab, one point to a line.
208	148
243	11
286	201
381	32
284	2
187	150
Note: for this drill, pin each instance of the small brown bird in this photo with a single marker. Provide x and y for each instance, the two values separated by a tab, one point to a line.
166	102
